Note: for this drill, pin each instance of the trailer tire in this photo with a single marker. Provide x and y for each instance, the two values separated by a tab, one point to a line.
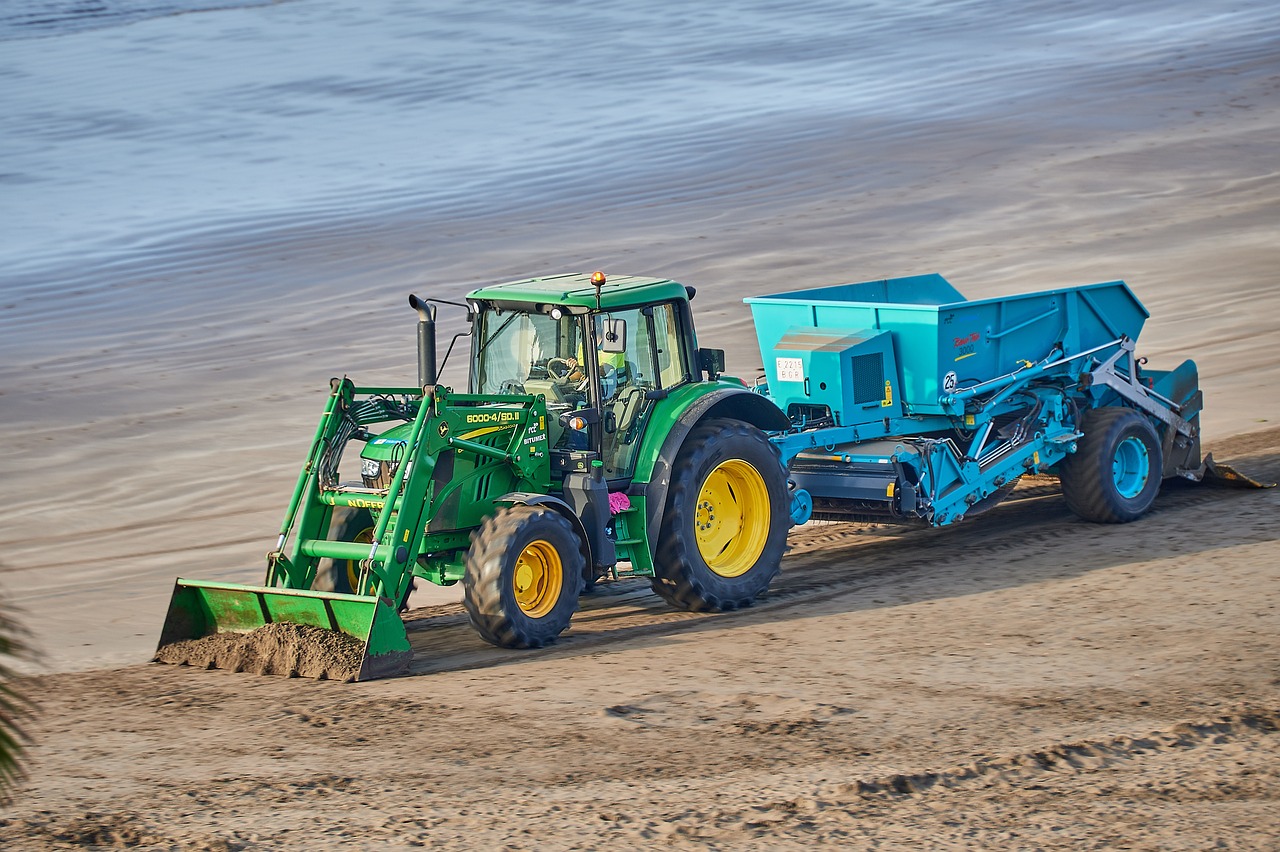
705	563
1114	475
343	575
523	576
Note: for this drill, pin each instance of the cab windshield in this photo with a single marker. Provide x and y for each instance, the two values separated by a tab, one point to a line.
524	353
539	355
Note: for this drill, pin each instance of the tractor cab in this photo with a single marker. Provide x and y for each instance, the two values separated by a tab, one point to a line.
600	354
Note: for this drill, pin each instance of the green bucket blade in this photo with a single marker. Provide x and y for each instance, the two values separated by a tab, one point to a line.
200	609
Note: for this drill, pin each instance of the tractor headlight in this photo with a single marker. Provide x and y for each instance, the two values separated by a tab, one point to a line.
377	474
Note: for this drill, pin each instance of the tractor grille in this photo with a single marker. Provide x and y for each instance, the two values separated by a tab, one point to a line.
483	488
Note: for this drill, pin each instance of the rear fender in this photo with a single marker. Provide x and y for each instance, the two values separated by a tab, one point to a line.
672	422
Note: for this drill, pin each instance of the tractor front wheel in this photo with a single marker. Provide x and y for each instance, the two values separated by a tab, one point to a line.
343	575
523	575
1114	475
726	520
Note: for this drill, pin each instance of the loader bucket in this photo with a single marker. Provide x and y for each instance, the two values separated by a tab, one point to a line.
283	631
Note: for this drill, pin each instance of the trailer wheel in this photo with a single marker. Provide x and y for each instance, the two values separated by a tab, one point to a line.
1113	477
523	575
725	525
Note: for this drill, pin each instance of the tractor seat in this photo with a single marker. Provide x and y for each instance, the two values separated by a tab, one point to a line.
627	408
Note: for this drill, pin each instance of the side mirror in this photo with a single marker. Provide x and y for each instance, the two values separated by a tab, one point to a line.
711	361
614	340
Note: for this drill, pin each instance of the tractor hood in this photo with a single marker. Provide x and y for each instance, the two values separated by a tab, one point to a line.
390	445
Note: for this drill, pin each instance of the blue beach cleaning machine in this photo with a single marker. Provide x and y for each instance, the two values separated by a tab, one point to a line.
910	404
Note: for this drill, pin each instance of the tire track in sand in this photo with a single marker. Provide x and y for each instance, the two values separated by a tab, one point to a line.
1031	537
1083	755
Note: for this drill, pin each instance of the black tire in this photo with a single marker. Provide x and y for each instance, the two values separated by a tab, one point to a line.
1114	475
342	575
523	575
705	563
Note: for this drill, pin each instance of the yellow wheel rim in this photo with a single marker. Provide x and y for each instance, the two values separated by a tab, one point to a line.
538	578
732	520
365	536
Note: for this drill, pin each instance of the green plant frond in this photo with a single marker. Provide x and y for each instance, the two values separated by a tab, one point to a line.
16	709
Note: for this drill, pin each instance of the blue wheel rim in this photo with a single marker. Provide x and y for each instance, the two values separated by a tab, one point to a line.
1131	467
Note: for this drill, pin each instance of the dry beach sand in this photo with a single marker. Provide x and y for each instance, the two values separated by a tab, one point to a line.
1025	680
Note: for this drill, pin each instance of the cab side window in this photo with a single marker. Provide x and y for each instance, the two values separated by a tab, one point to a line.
669	345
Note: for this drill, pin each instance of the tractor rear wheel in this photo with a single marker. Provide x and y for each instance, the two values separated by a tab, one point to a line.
1113	477
725	525
523	575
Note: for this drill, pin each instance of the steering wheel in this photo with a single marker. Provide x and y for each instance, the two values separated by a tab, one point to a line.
564	371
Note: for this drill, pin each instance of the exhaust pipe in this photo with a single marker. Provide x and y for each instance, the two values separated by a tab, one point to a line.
426	340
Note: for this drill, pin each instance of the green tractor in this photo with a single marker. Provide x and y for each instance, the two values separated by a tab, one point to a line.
595	440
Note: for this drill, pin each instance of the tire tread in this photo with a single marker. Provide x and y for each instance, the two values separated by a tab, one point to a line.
678	572
1087	486
483	582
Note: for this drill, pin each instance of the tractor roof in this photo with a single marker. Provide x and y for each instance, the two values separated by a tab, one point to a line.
576	289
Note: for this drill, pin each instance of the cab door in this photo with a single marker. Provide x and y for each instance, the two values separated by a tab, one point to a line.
653	359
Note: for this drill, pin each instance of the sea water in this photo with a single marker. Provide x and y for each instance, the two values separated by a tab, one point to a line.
128	123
